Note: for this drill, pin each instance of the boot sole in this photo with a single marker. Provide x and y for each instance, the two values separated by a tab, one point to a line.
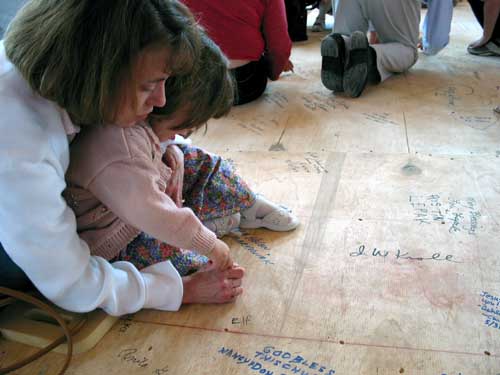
333	61
356	71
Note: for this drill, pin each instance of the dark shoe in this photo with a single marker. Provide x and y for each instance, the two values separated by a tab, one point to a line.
333	62
373	73
489	49
357	65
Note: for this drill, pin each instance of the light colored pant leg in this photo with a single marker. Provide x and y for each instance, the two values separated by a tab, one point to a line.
397	25
324	7
394	58
348	17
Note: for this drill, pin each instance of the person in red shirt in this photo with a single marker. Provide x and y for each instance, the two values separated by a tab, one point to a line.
253	34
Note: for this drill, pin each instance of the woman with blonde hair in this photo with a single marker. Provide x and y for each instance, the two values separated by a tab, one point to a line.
66	64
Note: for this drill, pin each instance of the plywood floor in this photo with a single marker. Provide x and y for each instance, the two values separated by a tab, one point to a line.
396	266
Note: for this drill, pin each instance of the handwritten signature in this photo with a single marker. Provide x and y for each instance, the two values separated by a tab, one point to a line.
399	254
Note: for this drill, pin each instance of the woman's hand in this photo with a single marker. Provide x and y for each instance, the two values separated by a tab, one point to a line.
288	66
174	158
373	37
220	256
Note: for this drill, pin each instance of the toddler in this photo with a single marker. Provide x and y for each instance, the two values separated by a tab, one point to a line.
142	201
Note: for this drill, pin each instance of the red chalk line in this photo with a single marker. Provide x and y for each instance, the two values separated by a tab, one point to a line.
313	339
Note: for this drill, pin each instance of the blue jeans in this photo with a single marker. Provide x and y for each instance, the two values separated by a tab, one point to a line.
11	276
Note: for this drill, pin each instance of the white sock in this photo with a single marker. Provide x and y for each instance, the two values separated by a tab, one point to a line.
259	209
223	225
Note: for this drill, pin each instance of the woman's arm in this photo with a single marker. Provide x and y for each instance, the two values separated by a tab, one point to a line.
38	229
130	189
491	10
491	14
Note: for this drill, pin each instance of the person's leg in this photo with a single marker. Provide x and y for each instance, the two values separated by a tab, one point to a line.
202	283
335	48
211	187
216	194
333	57
361	65
319	23
145	251
496	31
477	7
266	214
349	17
394	58
296	15
251	81
397	25
488	16
11	276
484	18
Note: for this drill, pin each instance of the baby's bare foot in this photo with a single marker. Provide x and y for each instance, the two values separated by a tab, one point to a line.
213	286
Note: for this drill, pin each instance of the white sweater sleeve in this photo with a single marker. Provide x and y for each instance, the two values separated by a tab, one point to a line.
38	229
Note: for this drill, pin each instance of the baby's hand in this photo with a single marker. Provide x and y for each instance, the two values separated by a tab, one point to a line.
220	256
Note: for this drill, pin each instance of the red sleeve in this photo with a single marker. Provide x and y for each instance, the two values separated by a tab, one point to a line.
278	43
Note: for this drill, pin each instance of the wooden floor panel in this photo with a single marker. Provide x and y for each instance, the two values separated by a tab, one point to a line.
395	267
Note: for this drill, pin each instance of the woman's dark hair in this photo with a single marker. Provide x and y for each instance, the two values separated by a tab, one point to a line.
79	53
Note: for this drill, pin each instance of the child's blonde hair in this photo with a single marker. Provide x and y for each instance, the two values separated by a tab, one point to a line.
207	92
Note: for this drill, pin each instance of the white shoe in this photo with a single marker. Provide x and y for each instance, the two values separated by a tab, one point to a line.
280	219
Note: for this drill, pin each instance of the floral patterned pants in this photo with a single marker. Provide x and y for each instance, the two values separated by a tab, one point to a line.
212	190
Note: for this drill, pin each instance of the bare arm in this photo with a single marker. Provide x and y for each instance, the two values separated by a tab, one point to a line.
491	13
